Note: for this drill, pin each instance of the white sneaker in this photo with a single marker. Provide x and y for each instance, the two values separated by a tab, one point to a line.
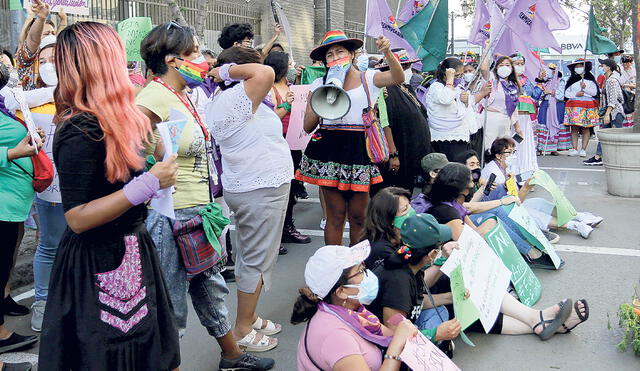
37	314
582	228
323	223
591	219
573	152
583	153
346	225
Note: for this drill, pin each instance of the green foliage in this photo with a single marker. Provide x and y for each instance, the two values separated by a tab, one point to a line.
630	324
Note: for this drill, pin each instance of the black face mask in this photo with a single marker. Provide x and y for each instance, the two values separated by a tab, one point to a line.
469	196
475	174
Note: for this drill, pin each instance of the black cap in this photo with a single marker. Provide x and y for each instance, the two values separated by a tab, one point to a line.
609	63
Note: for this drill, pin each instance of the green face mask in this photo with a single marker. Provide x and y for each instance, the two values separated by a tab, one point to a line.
398	220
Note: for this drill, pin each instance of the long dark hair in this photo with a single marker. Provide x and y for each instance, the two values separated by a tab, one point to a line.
574	77
279	61
451	181
451	62
166	39
306	304
237	55
513	77
382	208
498	146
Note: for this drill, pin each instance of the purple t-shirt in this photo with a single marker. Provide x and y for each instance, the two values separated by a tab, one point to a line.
330	340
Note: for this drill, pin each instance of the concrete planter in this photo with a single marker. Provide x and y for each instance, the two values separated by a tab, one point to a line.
621	157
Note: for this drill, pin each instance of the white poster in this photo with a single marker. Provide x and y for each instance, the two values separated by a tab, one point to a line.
80	7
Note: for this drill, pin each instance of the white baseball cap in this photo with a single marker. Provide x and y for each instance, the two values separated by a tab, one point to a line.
325	267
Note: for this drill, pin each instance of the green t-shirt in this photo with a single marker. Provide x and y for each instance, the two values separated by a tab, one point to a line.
16	191
192	187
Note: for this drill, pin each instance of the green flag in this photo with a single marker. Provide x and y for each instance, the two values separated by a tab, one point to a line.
427	32
15	5
597	43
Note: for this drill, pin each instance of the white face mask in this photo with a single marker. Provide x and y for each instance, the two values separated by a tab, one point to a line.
519	69
468	77
49	39
510	161
48	74
408	74
579	70
504	71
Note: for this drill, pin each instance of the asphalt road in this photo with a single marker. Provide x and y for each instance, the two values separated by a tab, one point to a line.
603	269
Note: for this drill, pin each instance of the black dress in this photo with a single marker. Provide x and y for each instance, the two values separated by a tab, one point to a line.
410	129
108	307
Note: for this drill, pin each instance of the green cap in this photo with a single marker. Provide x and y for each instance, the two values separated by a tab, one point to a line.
433	161
422	231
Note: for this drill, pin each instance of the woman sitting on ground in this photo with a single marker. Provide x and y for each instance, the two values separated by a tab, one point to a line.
342	334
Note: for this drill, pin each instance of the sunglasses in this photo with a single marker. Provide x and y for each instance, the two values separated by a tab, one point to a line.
173	24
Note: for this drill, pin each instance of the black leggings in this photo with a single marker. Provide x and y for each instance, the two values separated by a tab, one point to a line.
8	240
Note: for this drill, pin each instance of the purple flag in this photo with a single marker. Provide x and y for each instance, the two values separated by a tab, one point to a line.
481	26
528	19
411	8
511	43
506	4
380	21
496	20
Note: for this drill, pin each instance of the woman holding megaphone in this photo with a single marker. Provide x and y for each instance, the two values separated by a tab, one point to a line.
336	159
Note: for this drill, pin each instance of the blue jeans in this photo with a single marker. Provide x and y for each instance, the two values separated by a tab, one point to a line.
52	226
429	318
207	293
615	123
509	225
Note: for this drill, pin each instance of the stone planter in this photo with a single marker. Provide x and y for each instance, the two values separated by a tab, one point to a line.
621	158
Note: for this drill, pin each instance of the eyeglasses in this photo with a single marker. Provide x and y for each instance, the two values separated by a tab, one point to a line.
512	152
362	270
173	24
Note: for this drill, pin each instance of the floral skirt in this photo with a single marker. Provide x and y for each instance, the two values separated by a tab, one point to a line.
338	158
581	113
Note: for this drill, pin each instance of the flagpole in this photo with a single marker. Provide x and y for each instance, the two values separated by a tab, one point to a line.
366	19
398	8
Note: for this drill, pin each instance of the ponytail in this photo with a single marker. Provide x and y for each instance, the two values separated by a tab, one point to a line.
306	304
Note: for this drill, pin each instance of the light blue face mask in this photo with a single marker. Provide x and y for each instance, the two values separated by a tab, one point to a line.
368	289
618	59
362	63
600	70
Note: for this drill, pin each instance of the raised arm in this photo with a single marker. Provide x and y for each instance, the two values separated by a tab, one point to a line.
62	21
395	75
34	36
258	80
272	40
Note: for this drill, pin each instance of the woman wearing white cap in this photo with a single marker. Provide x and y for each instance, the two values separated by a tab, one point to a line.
341	333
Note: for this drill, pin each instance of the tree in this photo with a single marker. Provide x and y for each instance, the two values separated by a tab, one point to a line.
615	15
203	7
175	13
636	59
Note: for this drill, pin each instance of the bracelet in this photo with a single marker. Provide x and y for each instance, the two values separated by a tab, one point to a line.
394	154
224	73
286	106
395	358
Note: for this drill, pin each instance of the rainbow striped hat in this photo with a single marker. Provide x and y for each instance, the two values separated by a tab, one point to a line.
401	55
331	38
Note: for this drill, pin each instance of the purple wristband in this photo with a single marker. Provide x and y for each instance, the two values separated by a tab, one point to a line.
141	188
224	73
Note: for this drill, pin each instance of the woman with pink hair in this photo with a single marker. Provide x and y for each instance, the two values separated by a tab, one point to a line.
108	307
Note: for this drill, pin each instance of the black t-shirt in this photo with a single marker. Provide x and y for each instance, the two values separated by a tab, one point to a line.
399	288
380	250
444	213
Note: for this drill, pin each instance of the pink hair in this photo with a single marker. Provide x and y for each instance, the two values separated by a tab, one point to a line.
92	77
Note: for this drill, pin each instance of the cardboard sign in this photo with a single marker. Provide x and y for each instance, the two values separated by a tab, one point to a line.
466	312
420	354
564	209
524	280
485	275
532	233
296	136
132	31
80	7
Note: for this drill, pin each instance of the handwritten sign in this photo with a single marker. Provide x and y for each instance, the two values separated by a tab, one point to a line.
466	312
421	355
524	280
533	234
80	7
132	31
485	275
296	136
564	209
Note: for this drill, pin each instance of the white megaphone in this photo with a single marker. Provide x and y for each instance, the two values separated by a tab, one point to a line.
330	101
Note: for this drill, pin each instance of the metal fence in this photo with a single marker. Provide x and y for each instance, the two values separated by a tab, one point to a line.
356	30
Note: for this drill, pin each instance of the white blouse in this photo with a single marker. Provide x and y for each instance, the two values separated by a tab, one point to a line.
254	152
448	119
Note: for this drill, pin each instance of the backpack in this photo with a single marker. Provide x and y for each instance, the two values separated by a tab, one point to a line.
628	101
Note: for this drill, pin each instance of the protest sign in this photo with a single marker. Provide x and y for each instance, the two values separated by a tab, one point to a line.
132	31
466	312
525	282
15	5
564	209
296	136
532	233
420	354
310	73
486	276
80	7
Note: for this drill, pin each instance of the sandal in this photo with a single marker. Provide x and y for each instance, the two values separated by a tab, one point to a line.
550	326
249	343
266	327
581	317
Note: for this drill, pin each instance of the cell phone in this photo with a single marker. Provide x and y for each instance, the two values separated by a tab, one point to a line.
487	188
517	138
521	178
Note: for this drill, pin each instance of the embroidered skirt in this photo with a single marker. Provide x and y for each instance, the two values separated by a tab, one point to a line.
108	307
338	158
581	113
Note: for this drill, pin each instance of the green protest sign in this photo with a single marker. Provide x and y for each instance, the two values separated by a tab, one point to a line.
525	282
532	232
564	210
466	312
15	5
132	31
311	73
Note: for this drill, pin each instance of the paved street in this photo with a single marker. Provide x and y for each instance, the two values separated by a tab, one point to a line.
603	269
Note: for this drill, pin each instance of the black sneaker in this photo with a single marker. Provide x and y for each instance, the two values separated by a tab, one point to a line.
543	262
552	237
283	251
593	161
24	366
16	341
246	362
11	308
229	275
